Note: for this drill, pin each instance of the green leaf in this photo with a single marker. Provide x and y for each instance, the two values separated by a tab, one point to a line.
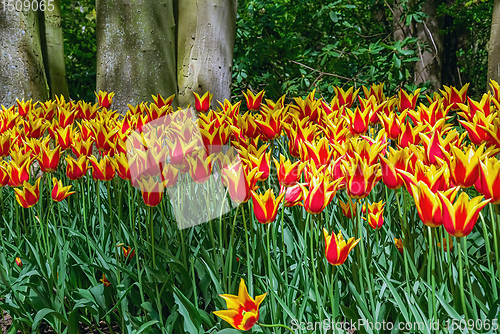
192	319
334	16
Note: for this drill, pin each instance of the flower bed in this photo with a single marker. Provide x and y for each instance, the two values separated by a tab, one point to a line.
361	210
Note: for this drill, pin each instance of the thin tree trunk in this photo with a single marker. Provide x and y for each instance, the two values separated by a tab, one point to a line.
52	34
206	36
135	50
401	30
22	74
494	45
430	65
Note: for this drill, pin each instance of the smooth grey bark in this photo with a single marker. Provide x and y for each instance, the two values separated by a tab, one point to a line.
22	74
494	45
206	37
53	47
135	50
430	65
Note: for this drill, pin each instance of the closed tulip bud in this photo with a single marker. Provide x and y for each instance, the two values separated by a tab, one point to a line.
19	263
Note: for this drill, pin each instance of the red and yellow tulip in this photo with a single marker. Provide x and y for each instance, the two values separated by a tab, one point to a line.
336	249
242	310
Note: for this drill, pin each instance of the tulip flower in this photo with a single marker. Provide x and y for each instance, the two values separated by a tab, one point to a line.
240	181
445	244
265	206
24	107
82	147
5	144
453	96
104	99
128	253
152	191
358	120
18	174
49	159
397	160
103	169
488	182
200	166
122	165
202	104
29	194
399	244
428	204
336	249
19	263
407	101
253	101
346	97
4	174
242	310
309	107
105	281
169	175
393	123
464	167
459	218
288	173
66	117
160	101
271	126
320	152
375	90
294	195
319	193
409	135
64	137
349	208
375	215
76	169
59	192
360	177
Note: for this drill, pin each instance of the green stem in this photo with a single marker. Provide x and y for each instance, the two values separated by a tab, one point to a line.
461	278
469	283
283	240
270	273
249	259
495	240
313	268
488	256
363	258
430	273
405	244
132	227
151	226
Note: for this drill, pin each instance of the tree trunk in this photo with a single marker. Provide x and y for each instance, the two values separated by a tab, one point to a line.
430	65
22	74
206	36
53	55
494	45
135	50
400	29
